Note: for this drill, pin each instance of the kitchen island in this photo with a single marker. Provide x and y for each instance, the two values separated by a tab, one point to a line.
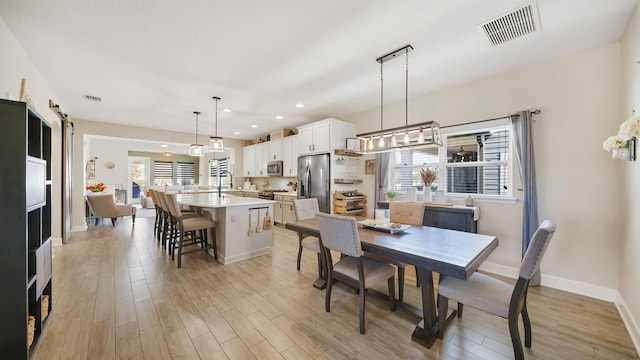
244	226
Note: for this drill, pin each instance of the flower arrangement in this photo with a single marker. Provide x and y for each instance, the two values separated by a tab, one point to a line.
99	187
429	175
628	130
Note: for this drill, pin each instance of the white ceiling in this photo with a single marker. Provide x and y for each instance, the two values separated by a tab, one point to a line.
155	62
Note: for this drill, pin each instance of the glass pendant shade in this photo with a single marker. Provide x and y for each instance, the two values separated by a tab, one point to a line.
216	144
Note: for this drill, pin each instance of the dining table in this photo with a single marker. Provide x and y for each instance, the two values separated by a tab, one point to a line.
429	249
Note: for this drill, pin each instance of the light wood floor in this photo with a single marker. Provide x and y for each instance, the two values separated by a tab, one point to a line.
116	295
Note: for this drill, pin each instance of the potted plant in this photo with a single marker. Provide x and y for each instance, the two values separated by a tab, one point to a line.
391	195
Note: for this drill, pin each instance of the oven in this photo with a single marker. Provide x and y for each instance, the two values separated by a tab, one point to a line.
268	194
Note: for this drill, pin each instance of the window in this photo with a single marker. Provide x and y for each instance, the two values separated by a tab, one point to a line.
225	174
470	162
162	173
185	173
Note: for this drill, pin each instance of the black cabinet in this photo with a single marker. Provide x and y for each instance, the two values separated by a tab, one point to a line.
449	217
25	220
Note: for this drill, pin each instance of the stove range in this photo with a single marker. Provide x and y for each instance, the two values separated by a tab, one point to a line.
268	194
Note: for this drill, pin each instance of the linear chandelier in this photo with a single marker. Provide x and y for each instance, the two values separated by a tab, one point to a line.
215	142
420	135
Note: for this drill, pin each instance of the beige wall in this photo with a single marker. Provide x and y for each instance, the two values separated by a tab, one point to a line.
579	99
16	66
629	286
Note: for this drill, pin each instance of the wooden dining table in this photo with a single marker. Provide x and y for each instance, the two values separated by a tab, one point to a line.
448	252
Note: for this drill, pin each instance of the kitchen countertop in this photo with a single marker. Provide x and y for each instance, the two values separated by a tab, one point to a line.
211	200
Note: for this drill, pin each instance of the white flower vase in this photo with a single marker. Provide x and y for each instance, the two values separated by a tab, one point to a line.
428	195
620	153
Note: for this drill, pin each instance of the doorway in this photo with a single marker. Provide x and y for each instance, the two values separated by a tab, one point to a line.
139	175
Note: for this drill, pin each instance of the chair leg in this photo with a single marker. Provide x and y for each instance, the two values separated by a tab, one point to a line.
180	250
361	303
319	265
214	243
443	304
392	296
133	218
417	279
460	307
299	254
515	337
527	325
113	221
96	223
400	283
327	294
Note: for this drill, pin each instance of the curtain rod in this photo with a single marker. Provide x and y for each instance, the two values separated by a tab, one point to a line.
536	111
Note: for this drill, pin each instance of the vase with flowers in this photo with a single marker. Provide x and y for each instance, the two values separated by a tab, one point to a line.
429	176
618	144
99	187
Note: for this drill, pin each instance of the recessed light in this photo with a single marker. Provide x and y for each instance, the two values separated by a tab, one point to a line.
254	126
164	145
227	110
92	98
236	133
299	105
279	117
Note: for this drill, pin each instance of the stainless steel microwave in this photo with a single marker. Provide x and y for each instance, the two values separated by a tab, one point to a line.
274	168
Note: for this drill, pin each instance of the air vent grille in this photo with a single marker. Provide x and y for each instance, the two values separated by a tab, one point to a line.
513	25
93	98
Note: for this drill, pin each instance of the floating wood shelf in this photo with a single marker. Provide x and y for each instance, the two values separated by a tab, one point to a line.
347	181
345	152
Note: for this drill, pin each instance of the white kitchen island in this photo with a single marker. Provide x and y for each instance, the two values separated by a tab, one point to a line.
240	221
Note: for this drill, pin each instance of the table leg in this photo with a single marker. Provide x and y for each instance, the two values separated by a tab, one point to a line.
321	281
425	332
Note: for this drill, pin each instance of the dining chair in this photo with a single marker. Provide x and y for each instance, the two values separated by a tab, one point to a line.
498	297
104	206
158	223
340	233
188	230
306	209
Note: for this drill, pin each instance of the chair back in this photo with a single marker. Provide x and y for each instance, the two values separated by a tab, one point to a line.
152	193
305	208
339	233
172	204
102	205
538	245
411	213
159	196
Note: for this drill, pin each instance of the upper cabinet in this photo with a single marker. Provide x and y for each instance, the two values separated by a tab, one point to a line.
290	156
249	165
275	150
262	158
323	136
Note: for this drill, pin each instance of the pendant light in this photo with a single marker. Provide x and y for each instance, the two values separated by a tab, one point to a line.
420	135
196	149
215	142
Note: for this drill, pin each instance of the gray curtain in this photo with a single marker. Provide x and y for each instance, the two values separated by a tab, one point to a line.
382	170
523	144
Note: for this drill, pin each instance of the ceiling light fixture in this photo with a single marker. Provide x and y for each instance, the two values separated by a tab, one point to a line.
164	145
299	105
254	126
215	143
279	117
167	153
226	110
415	136
196	149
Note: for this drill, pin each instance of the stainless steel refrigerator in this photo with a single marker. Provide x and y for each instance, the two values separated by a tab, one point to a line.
314	180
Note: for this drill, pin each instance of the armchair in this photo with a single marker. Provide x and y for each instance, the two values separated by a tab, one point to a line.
104	206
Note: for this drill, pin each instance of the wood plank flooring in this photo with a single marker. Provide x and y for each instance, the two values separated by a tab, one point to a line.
117	295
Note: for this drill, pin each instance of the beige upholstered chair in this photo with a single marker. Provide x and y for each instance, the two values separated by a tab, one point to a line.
104	206
497	297
307	209
188	230
340	233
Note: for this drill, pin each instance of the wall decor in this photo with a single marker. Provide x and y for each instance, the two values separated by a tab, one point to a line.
369	166
91	169
110	165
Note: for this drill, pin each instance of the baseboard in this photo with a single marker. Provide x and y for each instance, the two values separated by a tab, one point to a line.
629	321
56	241
79	228
556	282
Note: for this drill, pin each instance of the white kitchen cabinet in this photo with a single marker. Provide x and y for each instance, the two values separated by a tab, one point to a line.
324	136
261	159
249	164
290	152
277	212
288	214
275	150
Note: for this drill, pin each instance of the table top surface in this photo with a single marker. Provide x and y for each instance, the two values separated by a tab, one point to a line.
449	252
211	200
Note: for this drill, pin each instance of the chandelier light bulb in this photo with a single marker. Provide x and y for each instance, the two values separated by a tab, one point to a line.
421	136
407	139
370	143
394	140
381	143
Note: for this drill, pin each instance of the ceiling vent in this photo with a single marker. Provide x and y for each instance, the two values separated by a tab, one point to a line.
93	98
512	25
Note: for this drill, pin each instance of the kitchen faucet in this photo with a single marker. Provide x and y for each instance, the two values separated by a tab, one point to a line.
220	181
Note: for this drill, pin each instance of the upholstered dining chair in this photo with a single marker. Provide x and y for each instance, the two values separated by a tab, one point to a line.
497	297
158	223
188	230
340	233
104	206
307	209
